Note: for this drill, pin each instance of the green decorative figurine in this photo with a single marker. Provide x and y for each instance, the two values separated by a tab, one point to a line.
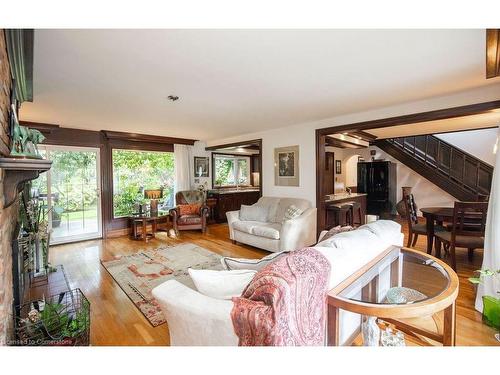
25	142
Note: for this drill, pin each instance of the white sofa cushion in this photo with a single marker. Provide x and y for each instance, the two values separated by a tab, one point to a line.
267	230
356	239
254	213
284	203
387	230
250	264
272	206
246	226
221	284
292	212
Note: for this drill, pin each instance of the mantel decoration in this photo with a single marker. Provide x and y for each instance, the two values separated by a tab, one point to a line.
286	166
24	140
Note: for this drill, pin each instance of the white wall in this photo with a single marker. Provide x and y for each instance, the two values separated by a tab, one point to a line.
478	143
304	136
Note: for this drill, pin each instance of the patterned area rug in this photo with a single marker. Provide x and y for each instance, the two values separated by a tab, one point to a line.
140	273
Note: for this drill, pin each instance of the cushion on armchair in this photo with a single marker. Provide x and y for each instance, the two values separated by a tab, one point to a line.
189	220
189	209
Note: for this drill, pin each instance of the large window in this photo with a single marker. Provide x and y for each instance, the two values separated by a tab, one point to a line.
231	170
134	171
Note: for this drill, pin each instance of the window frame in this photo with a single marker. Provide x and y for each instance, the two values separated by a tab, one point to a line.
112	173
235	157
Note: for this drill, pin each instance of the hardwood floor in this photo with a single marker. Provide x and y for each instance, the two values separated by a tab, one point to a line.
116	321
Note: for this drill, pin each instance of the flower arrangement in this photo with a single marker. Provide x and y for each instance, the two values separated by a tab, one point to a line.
491	304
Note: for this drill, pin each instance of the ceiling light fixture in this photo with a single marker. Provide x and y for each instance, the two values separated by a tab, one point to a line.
492	53
173	98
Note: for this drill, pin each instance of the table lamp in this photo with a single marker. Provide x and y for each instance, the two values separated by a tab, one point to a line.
153	195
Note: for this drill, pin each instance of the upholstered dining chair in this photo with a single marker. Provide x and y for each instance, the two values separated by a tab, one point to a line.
190	212
414	227
468	227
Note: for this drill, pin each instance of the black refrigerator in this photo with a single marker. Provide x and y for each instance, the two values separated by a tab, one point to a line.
378	180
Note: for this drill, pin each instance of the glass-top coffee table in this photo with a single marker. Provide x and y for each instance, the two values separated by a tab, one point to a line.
399	285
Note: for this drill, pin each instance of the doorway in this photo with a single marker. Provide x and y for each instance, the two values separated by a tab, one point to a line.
71	191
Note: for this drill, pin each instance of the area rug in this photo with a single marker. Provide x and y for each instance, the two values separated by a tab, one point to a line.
138	274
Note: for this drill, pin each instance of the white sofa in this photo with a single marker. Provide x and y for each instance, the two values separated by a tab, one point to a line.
274	234
195	319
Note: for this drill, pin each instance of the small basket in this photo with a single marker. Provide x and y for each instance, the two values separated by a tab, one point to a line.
61	320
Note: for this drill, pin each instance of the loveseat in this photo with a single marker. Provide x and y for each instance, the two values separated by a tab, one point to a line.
195	319
269	229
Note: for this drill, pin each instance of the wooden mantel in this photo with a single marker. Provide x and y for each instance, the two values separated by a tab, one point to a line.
17	172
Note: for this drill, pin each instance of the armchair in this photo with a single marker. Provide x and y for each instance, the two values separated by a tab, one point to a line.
191	212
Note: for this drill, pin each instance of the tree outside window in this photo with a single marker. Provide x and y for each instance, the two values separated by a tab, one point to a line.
231	170
134	171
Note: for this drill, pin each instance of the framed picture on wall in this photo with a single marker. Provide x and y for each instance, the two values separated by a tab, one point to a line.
286	166
201	166
338	167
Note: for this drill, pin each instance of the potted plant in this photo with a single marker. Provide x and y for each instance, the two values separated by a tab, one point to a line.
491	304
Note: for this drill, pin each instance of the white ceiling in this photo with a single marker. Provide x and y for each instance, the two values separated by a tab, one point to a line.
232	82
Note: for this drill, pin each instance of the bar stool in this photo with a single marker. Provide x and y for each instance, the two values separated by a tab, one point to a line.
342	213
355	208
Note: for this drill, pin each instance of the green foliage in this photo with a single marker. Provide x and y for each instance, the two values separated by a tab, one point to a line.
231	170
484	274
224	171
59	322
134	171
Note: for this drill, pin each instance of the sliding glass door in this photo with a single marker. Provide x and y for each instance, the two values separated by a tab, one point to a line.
71	191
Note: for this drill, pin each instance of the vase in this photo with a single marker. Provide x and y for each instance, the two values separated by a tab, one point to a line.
371	331
491	311
401	206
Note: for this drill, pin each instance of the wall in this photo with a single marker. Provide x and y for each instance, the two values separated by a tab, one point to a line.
8	216
478	143
304	136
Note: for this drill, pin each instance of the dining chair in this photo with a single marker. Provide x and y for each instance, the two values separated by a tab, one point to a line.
468	227
414	227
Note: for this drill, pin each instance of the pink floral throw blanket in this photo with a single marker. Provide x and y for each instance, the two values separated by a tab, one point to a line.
285	303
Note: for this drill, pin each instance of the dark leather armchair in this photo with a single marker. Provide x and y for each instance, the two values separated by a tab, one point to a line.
193	220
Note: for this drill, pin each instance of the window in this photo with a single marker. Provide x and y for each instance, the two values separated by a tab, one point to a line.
134	171
231	170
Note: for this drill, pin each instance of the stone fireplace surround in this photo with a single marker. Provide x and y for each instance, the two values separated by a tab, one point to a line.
8	216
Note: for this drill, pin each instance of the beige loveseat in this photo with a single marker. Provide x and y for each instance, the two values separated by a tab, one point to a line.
272	232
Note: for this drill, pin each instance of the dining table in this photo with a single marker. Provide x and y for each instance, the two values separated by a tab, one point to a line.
433	216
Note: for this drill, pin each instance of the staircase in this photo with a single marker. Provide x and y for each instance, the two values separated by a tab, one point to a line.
460	174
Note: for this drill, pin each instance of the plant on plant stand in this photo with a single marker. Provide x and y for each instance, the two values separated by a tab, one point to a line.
491	304
34	225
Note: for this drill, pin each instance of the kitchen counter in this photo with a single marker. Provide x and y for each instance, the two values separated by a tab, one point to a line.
231	199
343	196
334	218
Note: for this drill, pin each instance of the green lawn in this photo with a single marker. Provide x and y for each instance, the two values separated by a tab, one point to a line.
89	213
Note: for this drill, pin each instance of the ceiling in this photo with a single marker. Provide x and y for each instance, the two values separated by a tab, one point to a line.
234	82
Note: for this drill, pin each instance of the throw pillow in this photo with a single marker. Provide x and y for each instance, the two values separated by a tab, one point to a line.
250	264
335	230
189	209
221	284
253	213
292	212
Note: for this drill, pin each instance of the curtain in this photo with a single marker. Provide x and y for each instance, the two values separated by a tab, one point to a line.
182	156
491	253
